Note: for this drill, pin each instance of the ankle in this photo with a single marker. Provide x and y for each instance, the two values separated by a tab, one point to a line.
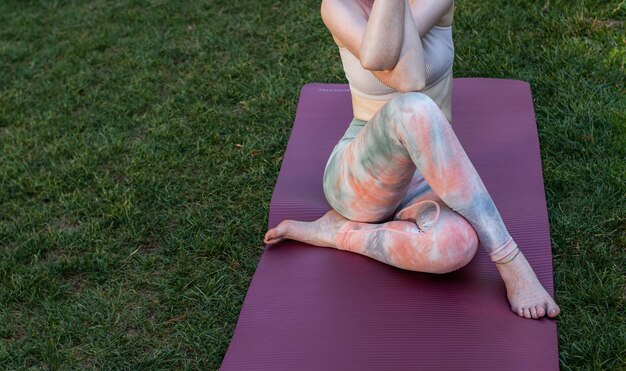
509	257
515	269
504	252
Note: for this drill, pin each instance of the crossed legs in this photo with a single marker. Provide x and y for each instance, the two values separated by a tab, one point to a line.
380	209
425	236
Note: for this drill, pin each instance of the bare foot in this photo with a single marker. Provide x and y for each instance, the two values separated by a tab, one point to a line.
526	295
321	232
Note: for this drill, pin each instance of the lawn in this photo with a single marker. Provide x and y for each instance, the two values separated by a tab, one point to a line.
140	142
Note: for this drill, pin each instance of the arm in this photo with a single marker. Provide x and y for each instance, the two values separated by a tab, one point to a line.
428	13
348	23
384	35
409	74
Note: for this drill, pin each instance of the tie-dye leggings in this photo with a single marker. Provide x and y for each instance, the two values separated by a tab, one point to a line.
411	194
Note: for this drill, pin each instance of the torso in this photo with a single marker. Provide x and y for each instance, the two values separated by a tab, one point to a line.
365	108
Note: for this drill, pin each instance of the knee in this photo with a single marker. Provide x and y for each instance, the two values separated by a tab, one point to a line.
413	103
415	112
457	241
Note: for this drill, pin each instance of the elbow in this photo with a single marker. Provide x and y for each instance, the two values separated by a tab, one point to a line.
378	60
411	84
376	64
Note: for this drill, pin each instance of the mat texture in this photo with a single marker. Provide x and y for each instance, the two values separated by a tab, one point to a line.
313	308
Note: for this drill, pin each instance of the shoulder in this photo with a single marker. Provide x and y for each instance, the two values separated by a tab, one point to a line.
346	4
429	13
346	20
448	16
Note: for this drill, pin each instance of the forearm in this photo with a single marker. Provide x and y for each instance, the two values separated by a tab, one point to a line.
409	73
384	35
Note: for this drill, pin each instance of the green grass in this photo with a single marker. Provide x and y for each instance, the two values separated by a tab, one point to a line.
140	142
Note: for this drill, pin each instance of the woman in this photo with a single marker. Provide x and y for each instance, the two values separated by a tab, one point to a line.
402	189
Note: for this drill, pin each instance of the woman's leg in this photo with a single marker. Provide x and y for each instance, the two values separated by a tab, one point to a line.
430	238
367	179
424	235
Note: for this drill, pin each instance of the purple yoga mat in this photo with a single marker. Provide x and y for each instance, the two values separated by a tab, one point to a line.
313	308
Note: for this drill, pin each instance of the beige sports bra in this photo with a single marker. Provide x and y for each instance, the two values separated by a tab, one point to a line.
438	57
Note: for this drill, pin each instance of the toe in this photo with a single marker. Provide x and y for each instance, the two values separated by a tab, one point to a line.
533	312
272	241
520	312
273	236
268	236
527	313
541	311
553	310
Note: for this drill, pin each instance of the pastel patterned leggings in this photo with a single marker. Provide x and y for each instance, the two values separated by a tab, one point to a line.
411	194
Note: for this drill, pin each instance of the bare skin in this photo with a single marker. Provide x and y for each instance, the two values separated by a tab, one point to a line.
322	232
365	108
347	19
526	296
